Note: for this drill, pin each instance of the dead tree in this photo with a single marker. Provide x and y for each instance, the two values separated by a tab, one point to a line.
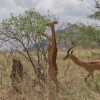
52	55
17	75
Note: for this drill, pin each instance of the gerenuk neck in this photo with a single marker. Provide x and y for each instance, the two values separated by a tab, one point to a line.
76	60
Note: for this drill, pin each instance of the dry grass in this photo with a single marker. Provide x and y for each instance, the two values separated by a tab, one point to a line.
72	82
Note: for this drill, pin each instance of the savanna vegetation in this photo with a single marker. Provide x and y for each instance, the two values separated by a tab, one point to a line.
24	62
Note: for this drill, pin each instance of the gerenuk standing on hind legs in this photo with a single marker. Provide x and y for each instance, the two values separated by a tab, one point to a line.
52	54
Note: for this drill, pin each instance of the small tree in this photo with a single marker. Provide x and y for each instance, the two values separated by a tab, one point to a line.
21	34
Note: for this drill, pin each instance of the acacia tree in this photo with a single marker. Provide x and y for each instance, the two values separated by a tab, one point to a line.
21	34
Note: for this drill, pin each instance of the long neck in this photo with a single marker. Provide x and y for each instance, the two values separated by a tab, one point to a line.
53	34
76	60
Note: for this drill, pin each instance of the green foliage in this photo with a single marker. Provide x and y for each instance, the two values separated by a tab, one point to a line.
61	37
26	24
96	12
96	15
82	34
90	33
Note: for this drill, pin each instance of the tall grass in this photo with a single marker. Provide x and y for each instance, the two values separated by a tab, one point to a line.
71	78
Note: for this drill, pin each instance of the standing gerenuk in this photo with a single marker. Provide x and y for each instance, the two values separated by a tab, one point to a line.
52	54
